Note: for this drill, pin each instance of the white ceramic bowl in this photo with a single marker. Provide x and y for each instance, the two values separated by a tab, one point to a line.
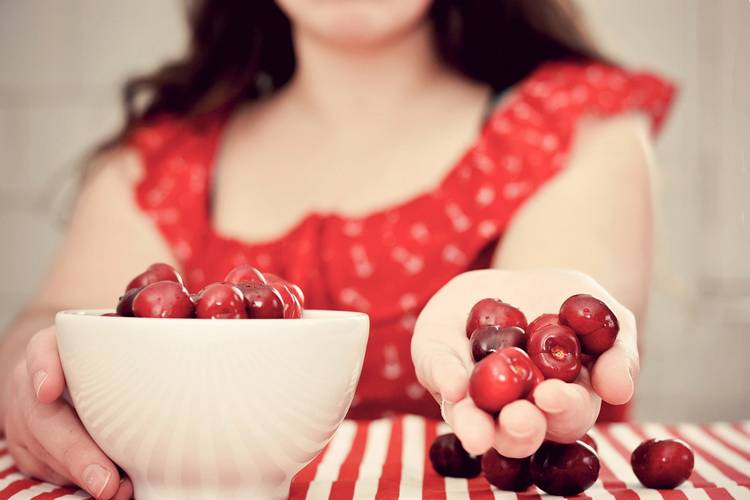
200	409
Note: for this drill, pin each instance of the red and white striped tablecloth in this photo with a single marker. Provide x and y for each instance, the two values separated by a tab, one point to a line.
386	459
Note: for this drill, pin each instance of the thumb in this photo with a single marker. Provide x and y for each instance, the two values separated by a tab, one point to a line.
43	364
443	372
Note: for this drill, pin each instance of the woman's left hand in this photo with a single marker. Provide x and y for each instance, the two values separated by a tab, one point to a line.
562	411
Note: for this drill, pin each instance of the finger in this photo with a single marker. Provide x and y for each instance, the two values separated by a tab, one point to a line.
32	466
18	432
614	373
570	409
474	427
126	490
442	372
43	364
521	431
59	431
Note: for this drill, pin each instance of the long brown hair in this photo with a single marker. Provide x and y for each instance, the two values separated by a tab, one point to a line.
241	50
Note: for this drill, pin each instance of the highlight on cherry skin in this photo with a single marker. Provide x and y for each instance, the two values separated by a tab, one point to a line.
245	293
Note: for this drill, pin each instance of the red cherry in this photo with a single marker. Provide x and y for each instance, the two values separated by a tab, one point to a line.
589	441
591	319
493	312
245	273
220	301
125	304
298	293
541	322
523	366
262	301
494	383
292	307
564	469
154	273
662	463
511	474
163	299
489	338
274	278
449	458
556	351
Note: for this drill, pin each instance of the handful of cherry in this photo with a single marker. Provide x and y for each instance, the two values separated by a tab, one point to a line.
512	357
159	292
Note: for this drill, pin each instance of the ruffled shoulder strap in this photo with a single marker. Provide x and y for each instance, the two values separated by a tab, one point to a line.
177	155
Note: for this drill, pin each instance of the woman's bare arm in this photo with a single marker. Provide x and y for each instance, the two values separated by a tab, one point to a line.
586	231
109	240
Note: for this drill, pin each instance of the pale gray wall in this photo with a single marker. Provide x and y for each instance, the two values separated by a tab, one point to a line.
61	63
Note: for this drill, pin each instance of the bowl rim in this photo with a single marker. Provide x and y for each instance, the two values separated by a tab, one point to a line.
317	316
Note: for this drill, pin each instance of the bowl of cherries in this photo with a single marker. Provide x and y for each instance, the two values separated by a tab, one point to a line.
512	356
222	393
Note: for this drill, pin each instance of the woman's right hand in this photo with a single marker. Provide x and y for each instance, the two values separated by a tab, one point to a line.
43	432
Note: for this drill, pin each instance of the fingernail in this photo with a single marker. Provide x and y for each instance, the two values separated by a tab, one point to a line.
38	380
95	478
520	433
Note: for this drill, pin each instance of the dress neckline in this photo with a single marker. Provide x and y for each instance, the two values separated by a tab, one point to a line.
497	103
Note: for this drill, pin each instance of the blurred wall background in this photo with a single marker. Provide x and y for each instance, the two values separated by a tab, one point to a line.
61	64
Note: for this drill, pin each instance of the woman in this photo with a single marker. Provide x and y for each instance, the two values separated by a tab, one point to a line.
373	152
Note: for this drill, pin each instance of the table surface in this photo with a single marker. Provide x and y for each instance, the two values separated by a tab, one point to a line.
386	459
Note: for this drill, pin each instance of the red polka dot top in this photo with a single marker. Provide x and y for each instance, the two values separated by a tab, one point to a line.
390	262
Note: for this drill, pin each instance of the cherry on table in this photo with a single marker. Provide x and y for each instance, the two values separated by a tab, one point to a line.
262	301
589	441
493	312
245	273
495	383
163	299
510	474
221	301
662	463
449	458
556	351
542	321
564	469
489	338
594	323
154	273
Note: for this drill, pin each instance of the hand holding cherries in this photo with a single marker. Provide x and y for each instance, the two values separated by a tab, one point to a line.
512	357
246	292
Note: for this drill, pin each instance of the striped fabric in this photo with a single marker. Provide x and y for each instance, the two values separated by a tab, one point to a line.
386	459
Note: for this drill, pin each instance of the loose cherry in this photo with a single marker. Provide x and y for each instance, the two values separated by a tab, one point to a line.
449	458
163	299
511	474
662	463
245	273
125	304
154	273
262	301
221	301
589	441
556	351
542	321
564	469
495	383
591	319
489	338
493	312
